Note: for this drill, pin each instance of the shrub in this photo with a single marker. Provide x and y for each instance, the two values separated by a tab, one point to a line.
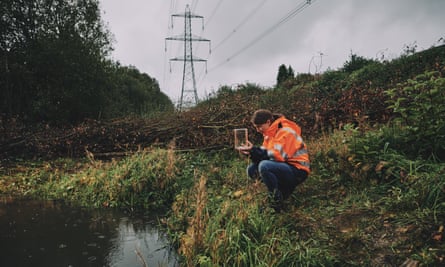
419	106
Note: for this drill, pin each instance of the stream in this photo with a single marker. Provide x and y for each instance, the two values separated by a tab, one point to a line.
50	233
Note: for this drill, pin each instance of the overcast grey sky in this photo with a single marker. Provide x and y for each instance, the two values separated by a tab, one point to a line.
250	39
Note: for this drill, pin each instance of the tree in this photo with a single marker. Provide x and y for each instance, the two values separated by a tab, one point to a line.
355	62
52	55
134	93
284	74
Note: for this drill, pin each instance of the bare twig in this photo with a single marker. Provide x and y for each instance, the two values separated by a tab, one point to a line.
141	258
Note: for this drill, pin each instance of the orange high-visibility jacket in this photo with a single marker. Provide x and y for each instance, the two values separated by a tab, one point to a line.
284	143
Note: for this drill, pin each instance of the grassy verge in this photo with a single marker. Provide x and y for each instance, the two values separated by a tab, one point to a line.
147	179
351	212
356	209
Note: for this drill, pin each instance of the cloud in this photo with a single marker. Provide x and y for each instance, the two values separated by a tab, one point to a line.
255	43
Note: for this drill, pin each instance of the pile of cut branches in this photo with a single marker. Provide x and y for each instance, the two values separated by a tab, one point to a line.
203	128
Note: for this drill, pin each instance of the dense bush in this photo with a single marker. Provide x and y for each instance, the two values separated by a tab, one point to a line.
54	66
419	106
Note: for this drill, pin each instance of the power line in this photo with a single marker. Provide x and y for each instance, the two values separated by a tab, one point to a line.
213	12
211	16
166	82
194	4
172	6
202	74
244	21
285	19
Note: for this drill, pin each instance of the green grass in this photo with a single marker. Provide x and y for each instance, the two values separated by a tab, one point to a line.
147	179
349	212
345	214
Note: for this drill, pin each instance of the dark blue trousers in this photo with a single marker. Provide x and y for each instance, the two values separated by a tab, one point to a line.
280	178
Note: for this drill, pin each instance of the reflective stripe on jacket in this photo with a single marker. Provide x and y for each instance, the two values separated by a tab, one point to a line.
284	143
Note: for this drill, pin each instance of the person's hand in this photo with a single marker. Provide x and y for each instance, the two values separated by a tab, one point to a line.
246	149
257	154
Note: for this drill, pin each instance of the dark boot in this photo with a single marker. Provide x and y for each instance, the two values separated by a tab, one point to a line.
277	201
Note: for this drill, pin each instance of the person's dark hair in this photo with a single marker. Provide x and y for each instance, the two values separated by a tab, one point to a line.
261	116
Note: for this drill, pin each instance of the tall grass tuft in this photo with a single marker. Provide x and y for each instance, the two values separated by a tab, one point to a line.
146	179
192	241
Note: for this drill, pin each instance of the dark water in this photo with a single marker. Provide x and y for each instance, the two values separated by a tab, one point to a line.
36	233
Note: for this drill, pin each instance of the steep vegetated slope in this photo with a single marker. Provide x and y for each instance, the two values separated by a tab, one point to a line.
320	103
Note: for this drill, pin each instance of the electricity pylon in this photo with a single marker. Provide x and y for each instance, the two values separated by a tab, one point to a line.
189	95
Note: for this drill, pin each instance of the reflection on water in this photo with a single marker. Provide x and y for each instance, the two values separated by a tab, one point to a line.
37	233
